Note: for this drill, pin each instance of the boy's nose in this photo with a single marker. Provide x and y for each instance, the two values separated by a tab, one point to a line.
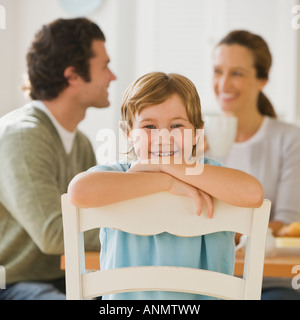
160	137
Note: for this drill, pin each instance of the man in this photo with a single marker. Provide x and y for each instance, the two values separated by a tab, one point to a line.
41	151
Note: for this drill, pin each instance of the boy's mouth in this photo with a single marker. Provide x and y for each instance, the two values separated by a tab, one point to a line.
163	154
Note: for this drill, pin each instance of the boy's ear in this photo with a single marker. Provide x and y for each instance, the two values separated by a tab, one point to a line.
127	134
123	125
197	135
71	75
199	143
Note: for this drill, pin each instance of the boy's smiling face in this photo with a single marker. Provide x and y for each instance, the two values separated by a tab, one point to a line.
158	131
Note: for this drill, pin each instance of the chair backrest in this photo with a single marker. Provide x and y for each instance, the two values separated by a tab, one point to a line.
143	216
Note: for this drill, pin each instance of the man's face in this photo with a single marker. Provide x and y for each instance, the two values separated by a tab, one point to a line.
95	92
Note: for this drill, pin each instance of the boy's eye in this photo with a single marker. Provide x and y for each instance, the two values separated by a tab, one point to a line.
238	74
149	126
177	125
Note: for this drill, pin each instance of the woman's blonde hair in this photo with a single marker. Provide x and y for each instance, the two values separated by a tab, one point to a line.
155	88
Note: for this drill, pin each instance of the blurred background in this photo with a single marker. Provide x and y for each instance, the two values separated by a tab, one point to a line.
158	35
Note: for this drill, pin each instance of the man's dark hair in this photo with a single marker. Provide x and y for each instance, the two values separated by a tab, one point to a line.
58	45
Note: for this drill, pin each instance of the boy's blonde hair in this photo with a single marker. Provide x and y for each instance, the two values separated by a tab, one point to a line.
155	88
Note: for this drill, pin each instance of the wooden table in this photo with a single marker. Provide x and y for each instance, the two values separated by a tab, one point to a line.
277	266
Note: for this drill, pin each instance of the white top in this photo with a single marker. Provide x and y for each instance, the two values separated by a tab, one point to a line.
272	155
66	136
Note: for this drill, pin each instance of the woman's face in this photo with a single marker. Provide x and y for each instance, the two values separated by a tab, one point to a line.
235	83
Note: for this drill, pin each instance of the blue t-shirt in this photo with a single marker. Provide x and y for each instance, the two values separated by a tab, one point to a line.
119	249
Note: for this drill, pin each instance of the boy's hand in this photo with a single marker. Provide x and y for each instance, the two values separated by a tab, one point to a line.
199	197
179	187
138	166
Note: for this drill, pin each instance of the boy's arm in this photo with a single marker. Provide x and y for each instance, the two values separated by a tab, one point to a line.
229	185
95	189
92	189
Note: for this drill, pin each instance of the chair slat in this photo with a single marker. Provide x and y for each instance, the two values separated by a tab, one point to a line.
163	279
152	215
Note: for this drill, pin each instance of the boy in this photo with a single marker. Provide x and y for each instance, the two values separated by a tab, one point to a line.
164	101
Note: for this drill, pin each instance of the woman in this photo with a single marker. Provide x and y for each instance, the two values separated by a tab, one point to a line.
265	147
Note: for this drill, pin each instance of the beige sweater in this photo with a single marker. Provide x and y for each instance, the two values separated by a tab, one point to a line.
35	171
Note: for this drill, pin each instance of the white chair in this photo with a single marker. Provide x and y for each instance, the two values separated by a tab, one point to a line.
159	213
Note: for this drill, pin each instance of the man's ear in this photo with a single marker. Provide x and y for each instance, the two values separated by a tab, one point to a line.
71	75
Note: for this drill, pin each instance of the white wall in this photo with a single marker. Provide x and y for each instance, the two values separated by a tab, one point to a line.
7	57
167	35
181	35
